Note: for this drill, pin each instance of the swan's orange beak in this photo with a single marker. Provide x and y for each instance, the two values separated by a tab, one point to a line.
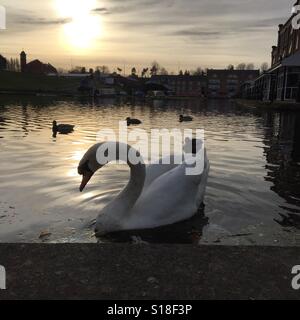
86	177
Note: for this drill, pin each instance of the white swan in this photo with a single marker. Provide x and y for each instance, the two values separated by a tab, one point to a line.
157	196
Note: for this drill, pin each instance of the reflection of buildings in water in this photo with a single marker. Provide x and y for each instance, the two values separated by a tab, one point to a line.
282	140
25	119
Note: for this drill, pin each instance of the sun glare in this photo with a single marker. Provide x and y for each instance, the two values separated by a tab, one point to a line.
84	27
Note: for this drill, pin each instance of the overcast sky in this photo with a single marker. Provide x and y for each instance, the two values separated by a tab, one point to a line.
177	33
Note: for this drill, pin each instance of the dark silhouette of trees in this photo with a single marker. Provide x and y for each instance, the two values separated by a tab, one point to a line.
103	69
13	65
264	67
144	72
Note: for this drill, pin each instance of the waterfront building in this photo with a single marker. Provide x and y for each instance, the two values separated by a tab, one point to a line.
227	83
282	81
183	85
35	66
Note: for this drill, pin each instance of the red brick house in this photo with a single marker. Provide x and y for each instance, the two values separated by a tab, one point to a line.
35	66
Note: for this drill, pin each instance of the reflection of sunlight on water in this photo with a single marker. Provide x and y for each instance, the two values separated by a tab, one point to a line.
39	176
72	173
89	195
77	155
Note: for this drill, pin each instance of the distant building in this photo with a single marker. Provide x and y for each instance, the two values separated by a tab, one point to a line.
3	63
282	81
35	66
226	83
183	85
23	61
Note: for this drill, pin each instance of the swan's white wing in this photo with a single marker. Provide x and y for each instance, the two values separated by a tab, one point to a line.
158	169
171	198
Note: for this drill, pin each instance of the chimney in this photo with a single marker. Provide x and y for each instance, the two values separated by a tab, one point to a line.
23	59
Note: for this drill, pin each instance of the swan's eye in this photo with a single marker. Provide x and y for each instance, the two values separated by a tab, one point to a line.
84	168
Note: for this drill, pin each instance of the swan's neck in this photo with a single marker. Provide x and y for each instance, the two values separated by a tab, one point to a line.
134	189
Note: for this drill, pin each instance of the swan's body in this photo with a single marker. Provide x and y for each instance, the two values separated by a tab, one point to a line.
158	195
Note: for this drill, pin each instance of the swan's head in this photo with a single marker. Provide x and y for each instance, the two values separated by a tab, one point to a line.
98	156
54	125
89	165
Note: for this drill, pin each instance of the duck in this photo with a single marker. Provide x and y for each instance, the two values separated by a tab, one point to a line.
185	118
62	128
156	196
131	121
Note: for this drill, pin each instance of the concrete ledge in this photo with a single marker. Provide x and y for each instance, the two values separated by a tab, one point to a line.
113	271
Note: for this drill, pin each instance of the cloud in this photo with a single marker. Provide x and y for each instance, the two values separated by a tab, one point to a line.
43	22
101	11
196	33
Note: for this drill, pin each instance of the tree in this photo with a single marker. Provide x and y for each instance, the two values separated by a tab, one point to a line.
230	67
164	71
77	69
197	72
144	72
103	69
264	67
241	66
250	66
181	73
133	71
155	68
13	65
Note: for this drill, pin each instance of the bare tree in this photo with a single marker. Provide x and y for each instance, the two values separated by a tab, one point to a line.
13	65
163	71
230	67
241	66
250	66
264	67
155	68
197	72
103	69
144	72
133	71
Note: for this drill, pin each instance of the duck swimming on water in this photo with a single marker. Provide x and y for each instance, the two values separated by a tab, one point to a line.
62	128
133	121
185	118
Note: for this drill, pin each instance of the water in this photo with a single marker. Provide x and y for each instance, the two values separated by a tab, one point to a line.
253	193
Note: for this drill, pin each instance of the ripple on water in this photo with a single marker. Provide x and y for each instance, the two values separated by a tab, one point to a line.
247	193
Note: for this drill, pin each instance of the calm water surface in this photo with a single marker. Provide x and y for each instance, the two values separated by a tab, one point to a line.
253	193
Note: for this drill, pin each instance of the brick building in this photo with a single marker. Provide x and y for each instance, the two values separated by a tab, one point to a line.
227	83
35	66
183	85
282	81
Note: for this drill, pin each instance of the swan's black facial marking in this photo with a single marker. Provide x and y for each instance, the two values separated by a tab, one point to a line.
84	168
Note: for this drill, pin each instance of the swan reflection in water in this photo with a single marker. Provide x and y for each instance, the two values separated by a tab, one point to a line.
156	199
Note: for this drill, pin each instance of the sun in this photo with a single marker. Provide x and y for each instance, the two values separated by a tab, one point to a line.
84	27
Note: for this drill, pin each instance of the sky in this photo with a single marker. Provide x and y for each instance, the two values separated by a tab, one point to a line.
179	34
